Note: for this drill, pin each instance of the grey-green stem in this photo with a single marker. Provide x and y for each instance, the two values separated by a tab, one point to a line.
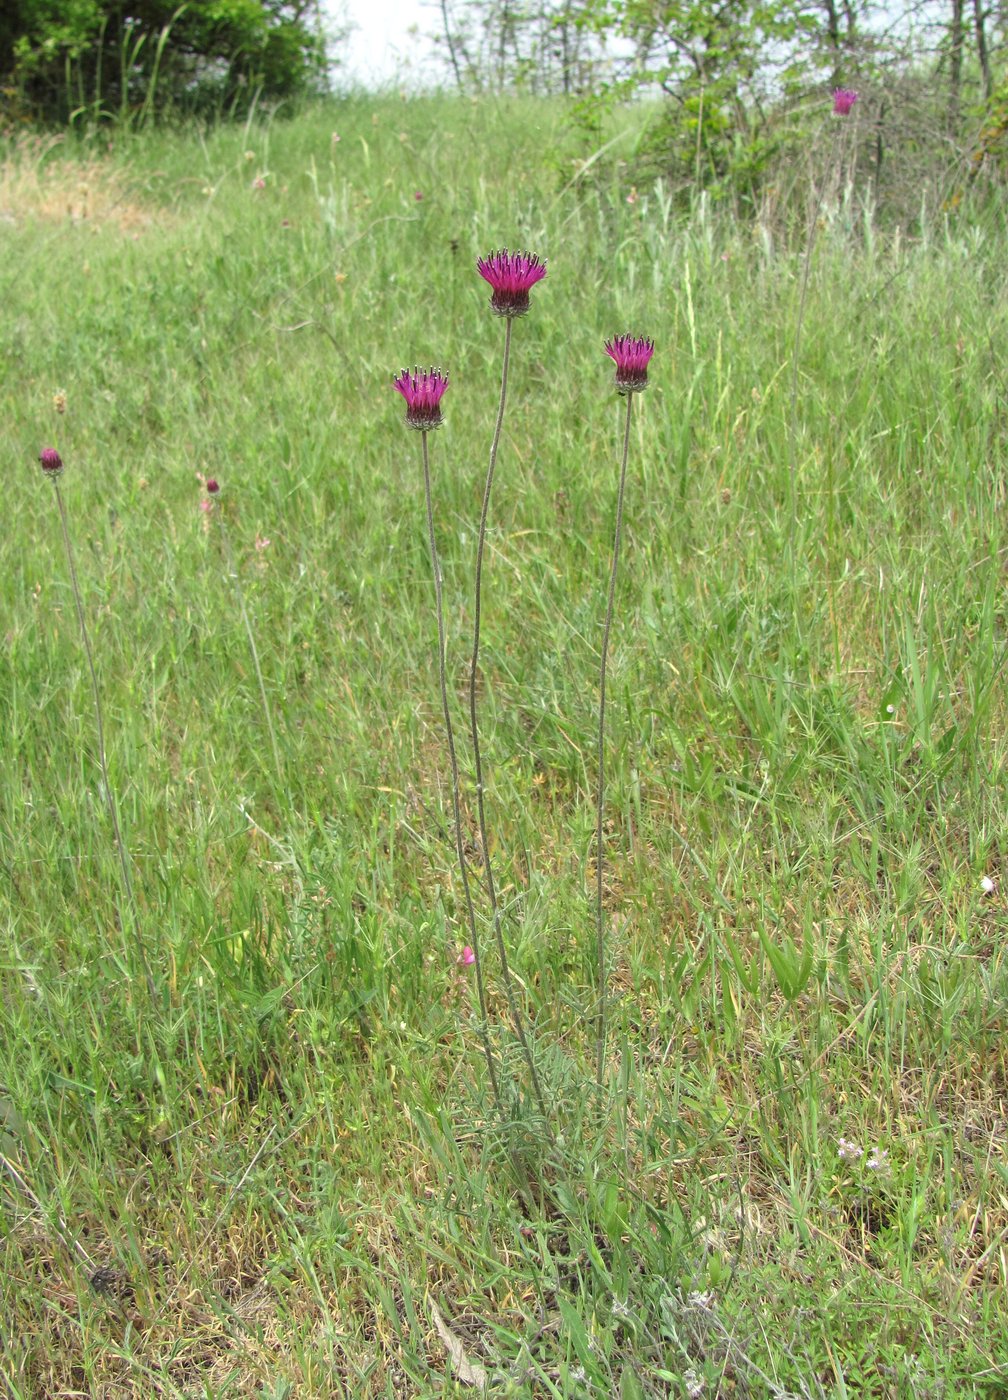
799	324
240	595
477	759
124	864
600	1038
456	802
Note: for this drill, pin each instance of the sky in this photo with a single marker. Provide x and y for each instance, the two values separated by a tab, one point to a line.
387	45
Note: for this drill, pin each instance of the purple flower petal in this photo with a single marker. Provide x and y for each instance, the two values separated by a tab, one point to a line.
50	461
511	277
843	101
423	391
631	355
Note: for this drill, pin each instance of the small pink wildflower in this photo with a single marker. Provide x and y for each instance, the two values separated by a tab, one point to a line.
632	196
843	101
206	505
467	957
258	183
418	195
261	542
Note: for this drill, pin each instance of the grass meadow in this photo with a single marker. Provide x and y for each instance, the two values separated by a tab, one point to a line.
284	1176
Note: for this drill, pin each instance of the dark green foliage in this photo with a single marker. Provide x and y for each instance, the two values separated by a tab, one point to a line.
72	59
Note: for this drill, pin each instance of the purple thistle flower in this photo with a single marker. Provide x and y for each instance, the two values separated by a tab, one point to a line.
212	486
51	462
843	101
511	276
632	355
423	391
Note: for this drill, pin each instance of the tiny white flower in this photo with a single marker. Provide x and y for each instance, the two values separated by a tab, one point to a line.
890	709
848	1151
693	1383
987	884
877	1160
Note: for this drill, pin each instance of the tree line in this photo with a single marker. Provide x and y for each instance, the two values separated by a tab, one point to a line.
738	85
742	83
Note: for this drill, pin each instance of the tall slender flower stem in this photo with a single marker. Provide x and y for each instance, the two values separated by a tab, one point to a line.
477	759
456	804
240	595
830	558
835	147
600	1035
842	105
124	864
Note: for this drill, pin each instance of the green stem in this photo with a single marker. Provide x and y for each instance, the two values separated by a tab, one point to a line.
600	1037
456	804
830	561
239	594
124	865
477	759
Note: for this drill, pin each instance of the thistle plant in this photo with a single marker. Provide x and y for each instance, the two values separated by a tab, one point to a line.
511	277
843	101
423	391
52	468
631	355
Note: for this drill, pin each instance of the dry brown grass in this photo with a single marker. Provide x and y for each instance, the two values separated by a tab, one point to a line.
41	180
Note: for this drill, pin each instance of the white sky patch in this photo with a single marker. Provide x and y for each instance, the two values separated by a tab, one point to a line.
388	44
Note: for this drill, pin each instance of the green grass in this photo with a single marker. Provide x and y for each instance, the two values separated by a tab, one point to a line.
284	1163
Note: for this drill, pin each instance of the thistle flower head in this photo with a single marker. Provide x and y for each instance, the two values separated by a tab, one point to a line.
50	461
511	276
423	391
843	101
631	355
213	485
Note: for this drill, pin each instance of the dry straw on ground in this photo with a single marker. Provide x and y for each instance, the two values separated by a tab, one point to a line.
37	182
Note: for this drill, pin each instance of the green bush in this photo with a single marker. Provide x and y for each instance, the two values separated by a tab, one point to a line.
71	59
